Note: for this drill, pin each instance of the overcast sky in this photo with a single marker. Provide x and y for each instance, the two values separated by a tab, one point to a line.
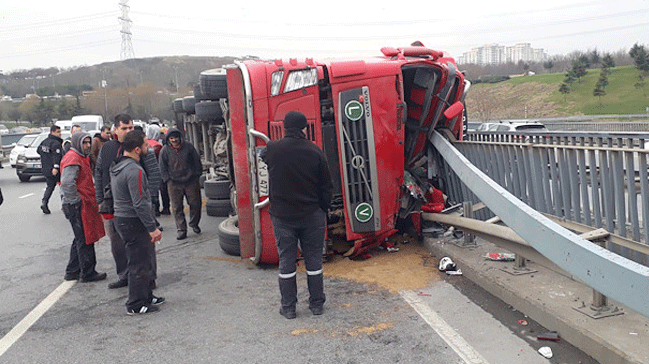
75	33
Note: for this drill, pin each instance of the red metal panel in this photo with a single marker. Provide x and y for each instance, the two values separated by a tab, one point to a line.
389	143
240	160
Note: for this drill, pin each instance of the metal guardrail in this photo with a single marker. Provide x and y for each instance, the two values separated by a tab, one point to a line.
528	171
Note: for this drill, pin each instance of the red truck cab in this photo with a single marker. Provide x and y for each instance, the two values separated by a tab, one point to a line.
372	117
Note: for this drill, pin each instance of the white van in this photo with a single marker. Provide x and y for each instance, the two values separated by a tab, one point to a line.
65	125
89	123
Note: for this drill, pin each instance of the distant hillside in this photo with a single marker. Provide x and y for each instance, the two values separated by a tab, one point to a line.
161	72
538	96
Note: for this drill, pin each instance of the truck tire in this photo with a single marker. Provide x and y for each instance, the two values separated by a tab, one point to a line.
218	208
177	105
198	95
214	84
218	190
189	103
228	233
209	111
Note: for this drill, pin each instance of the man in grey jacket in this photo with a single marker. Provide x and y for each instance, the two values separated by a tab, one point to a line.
135	222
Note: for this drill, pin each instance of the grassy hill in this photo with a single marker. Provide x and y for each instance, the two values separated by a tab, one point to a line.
539	96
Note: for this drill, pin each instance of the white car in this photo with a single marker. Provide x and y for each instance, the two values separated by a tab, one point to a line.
3	129
20	147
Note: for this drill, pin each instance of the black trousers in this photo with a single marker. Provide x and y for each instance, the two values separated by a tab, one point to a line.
164	195
49	189
309	232
82	256
138	253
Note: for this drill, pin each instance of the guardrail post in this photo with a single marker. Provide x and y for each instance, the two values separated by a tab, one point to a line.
469	239
599	308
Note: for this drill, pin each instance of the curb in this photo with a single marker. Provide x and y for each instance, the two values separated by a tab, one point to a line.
549	298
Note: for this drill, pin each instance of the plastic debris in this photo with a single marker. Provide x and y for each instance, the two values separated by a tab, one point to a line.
446	264
522	322
454	272
501	257
550	336
423	294
546	352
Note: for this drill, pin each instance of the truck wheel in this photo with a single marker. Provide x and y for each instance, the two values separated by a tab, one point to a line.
214	84
218	190
189	103
198	95
228	233
218	208
209	111
177	105
24	178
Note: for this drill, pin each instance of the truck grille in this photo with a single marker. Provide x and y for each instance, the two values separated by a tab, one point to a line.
356	136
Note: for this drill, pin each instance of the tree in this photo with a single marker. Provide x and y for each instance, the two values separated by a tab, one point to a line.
579	68
603	79
607	61
599	92
549	65
565	90
640	57
641	83
594	57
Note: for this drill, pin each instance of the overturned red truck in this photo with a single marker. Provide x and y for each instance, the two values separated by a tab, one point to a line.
371	116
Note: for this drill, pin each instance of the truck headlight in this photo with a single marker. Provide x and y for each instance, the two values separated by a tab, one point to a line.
301	79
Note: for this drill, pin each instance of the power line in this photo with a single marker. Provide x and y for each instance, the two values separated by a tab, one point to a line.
47	24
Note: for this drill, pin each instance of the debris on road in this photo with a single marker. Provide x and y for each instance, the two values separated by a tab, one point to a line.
550	336
522	322
501	257
546	352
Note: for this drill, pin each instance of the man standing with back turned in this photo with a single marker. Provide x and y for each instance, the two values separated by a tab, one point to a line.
135	222
300	196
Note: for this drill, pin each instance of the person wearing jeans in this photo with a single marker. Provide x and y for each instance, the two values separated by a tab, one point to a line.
300	192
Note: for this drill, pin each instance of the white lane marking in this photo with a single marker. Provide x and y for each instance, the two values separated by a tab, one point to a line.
12	336
27	195
444	330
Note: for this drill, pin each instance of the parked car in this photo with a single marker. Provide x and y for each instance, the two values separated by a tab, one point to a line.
533	126
3	129
20	147
28	163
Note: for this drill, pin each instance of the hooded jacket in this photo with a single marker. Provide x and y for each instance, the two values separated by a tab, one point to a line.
130	188
181	165
298	176
51	152
152	136
77	187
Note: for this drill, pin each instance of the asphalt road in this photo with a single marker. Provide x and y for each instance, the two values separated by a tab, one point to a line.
221	309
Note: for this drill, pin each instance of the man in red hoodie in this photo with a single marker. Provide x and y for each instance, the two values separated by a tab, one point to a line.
81	208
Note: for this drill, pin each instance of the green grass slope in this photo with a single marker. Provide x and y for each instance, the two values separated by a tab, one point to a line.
622	96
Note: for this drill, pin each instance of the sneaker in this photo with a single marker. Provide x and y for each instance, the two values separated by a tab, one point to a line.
157	300
317	311
95	277
118	284
71	277
181	235
288	314
142	310
196	229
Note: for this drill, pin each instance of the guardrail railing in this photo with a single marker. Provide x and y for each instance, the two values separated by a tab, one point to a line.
597	179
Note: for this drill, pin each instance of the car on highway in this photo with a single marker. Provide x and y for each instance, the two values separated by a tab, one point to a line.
533	126
28	163
4	129
20	147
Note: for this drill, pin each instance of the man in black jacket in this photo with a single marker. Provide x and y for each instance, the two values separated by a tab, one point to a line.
181	168
300	191
109	153
51	153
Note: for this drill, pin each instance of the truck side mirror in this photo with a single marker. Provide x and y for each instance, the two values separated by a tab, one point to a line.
454	110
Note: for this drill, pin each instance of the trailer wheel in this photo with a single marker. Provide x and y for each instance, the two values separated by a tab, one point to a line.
198	95
228	233
218	208
218	190
189	103
209	111
177	105
214	84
